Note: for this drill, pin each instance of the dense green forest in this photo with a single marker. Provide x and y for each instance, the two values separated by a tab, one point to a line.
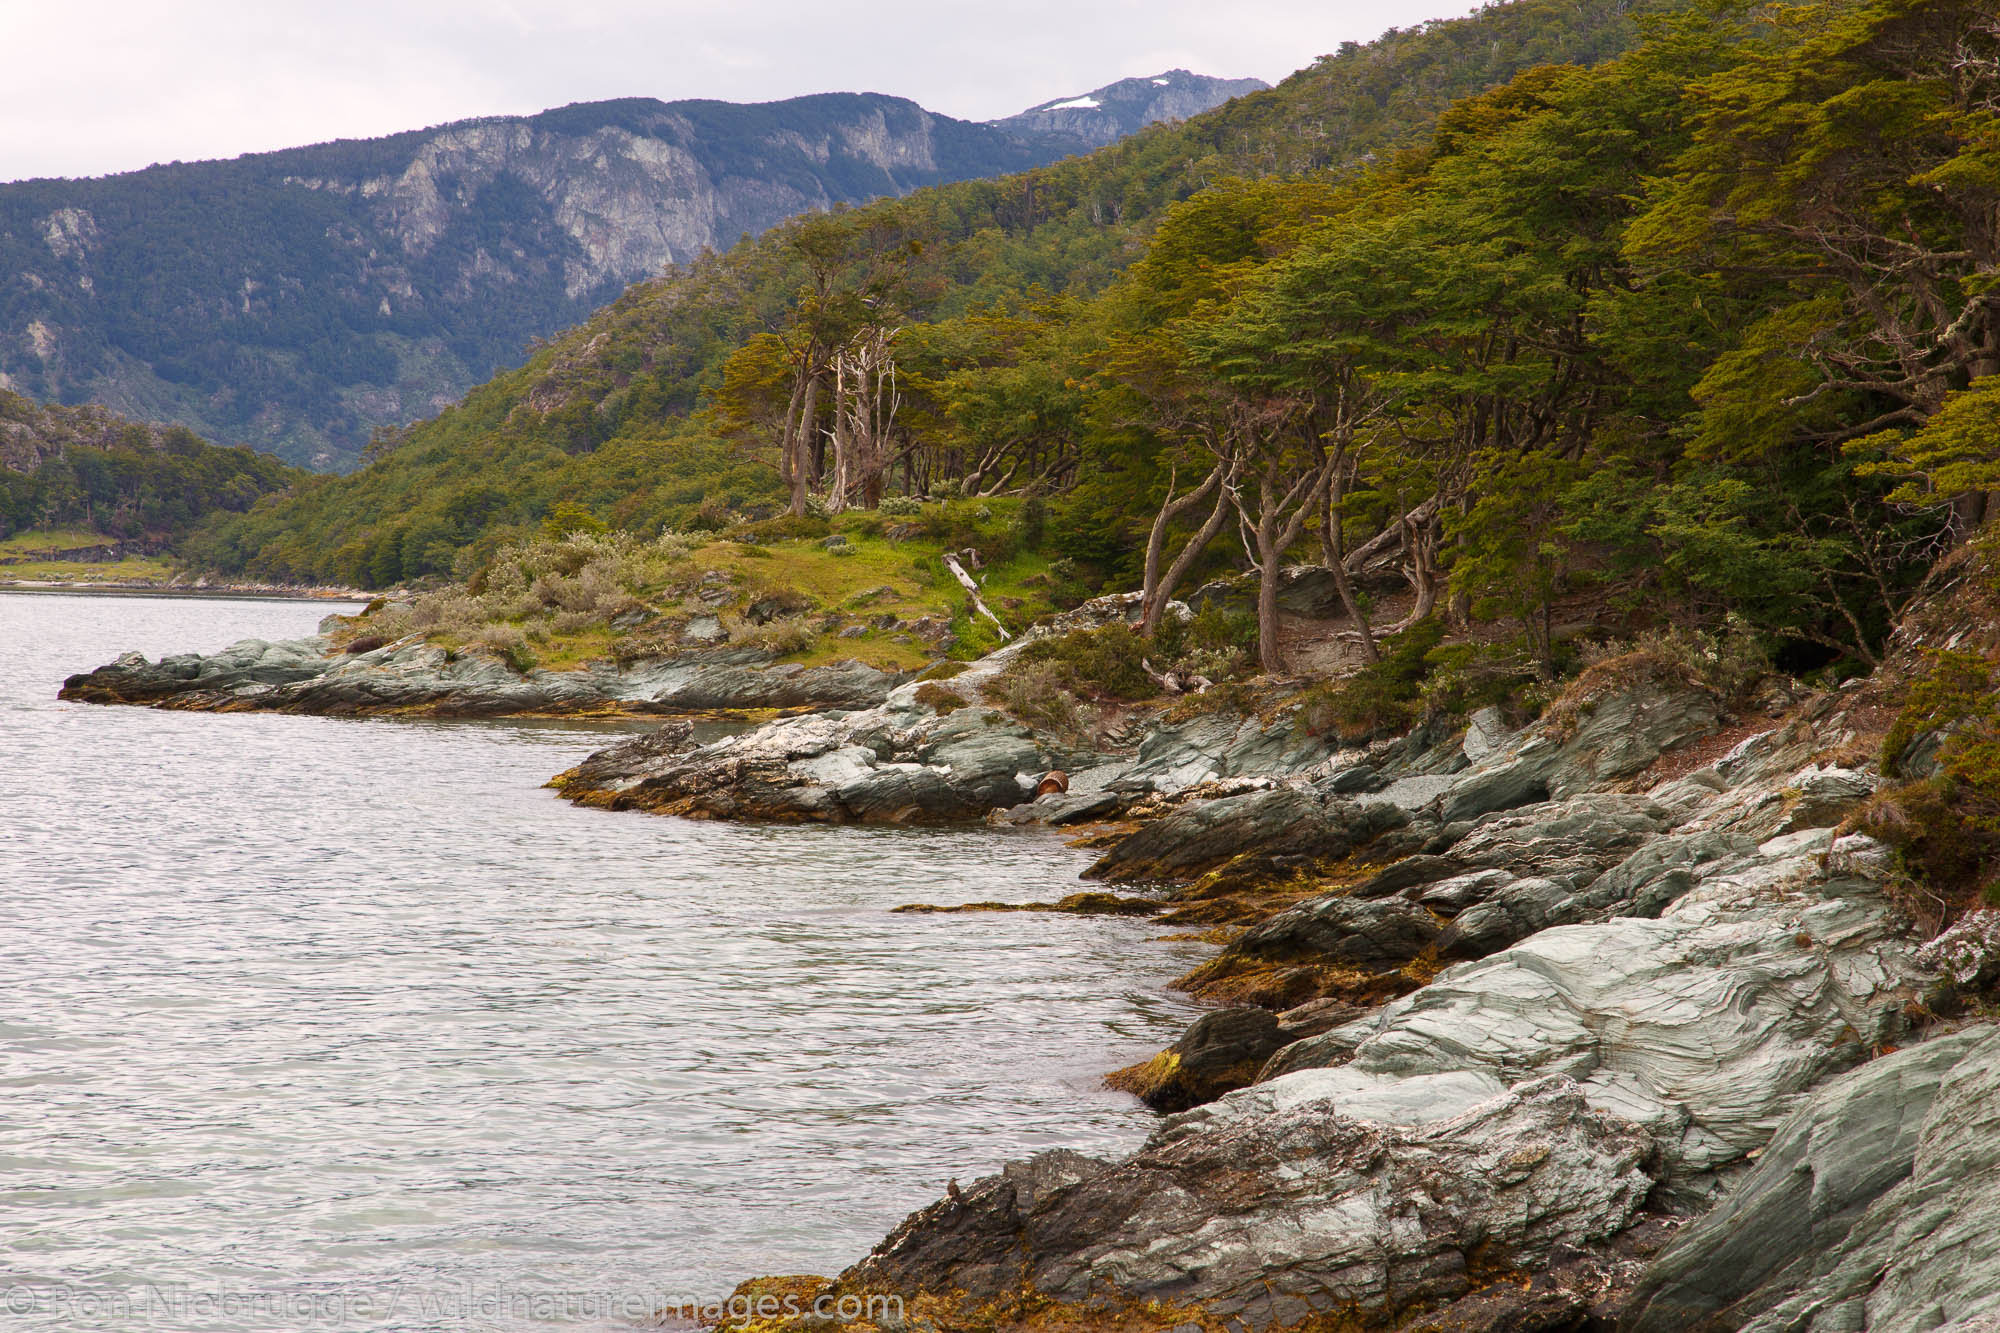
1681	310
84	468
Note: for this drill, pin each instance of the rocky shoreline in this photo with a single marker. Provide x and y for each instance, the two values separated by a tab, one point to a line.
412	677
1608	1022
1612	1021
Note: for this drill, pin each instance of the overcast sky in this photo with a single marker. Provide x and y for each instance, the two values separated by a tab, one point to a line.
97	86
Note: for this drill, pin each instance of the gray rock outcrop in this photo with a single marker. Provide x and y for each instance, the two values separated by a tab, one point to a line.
411	676
1276	1214
1873	1208
1665	988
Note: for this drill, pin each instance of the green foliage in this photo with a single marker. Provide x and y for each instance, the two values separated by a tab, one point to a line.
1384	697
567	518
82	467
1946	826
630	415
1031	524
1581	308
1955	452
1105	662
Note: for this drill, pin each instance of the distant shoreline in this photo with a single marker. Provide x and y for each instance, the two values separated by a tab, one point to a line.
240	592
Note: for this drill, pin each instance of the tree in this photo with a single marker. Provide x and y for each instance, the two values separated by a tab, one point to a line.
1852	157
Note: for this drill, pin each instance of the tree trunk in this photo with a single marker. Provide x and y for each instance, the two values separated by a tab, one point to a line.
1331	541
1158	589
798	425
1269	652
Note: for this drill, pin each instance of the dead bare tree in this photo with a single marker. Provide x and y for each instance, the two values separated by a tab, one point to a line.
864	417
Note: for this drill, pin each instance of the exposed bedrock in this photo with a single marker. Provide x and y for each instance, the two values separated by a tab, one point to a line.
1617	998
411	676
1873	1208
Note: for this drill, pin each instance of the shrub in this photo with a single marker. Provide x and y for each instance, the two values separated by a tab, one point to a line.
900	506
1031	524
1945	827
510	645
1466	677
711	516
1382	698
1212	643
1038	694
1728	664
785	527
938	699
781	637
1104	661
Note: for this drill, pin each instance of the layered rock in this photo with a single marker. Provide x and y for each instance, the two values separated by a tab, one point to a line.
1273	1215
1872	1208
410	676
896	764
1660	976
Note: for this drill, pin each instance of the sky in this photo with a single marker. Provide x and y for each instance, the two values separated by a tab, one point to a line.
93	87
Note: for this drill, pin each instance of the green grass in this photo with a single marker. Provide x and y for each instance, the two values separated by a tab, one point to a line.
138	569
133	569
552	599
43	539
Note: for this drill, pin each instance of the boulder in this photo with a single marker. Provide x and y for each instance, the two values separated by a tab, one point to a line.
1222	1051
1281	821
1268	1215
1351	932
1806	1237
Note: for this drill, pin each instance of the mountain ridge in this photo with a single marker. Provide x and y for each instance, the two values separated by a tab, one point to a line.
300	299
1105	115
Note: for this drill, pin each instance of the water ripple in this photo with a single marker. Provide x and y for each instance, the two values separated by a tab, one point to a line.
355	1015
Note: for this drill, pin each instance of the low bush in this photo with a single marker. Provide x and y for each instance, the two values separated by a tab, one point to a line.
1106	661
1944	824
1038	694
783	528
938	699
1383	698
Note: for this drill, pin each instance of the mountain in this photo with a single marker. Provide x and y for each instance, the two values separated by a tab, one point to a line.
1106	115
613	415
86	468
297	301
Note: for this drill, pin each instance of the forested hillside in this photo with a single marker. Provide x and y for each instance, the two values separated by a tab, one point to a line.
84	468
298	300
1704	326
656	411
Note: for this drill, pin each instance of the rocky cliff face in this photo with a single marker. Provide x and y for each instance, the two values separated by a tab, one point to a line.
295	301
1106	115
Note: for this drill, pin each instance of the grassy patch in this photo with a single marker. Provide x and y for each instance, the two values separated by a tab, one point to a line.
134	569
881	595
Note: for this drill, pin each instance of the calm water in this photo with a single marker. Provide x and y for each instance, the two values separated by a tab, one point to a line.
318	1023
